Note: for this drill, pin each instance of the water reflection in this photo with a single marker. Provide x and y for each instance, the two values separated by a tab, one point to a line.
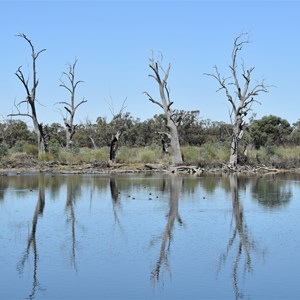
240	241
73	192
167	235
31	242
116	203
272	193
3	186
123	203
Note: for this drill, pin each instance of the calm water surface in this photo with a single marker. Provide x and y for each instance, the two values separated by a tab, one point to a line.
149	237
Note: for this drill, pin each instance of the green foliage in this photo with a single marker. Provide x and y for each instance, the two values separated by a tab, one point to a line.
190	154
23	146
295	135
85	155
55	136
13	131
31	149
216	132
47	156
151	154
3	149
270	130
277	157
204	142
54	148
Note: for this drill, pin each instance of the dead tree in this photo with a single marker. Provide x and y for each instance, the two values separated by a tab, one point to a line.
118	127
246	95
70	107
165	103
30	100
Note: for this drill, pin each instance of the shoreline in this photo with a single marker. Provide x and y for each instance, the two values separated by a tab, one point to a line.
139	168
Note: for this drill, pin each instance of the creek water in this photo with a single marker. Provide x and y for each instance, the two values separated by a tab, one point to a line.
144	236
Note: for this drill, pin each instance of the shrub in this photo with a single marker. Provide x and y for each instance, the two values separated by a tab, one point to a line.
191	154
54	148
30	149
3	149
19	146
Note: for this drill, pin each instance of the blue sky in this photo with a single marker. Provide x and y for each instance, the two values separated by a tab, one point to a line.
113	41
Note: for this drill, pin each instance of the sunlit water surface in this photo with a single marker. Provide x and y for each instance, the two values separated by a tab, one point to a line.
149	237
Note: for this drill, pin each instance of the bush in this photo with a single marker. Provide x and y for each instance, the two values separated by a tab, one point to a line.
3	149
31	149
54	148
151	154
19	146
280	157
191	154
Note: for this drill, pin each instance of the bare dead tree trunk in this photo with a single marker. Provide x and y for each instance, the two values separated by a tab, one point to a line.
91	132
164	142
246	95
165	104
114	145
93	142
118	127
70	107
31	97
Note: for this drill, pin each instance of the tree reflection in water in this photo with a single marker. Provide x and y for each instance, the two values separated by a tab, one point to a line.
166	237
240	239
73	190
115	201
272	193
31	242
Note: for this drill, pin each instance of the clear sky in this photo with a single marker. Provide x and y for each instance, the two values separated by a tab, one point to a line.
113	41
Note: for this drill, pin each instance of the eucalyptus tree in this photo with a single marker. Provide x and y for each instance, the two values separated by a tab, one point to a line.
13	131
172	120
70	106
241	93
30	100
270	131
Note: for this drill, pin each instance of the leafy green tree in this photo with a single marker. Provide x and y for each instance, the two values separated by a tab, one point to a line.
14	131
191	130
3	149
102	132
81	137
217	132
55	137
295	135
270	131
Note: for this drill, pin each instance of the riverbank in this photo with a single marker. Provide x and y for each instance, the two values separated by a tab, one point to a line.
33	166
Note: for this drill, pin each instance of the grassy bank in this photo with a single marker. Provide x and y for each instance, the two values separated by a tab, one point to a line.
207	156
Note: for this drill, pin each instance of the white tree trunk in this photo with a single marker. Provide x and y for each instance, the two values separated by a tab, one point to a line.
175	145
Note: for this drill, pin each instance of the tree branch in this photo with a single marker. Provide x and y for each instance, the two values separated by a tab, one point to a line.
81	102
152	100
20	114
20	75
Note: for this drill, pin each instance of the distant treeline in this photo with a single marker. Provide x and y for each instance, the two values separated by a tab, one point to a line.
269	131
